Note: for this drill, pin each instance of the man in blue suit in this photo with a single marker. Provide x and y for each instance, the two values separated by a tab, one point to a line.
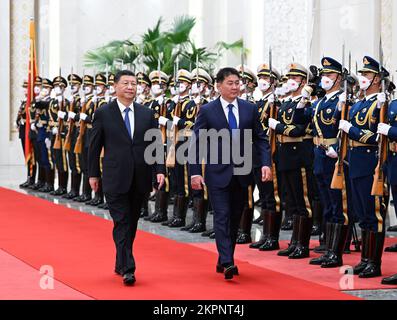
228	188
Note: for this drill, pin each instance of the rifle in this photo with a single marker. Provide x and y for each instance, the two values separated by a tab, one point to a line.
339	176
79	142
68	138
378	186
272	106
197	82
58	138
163	109
170	161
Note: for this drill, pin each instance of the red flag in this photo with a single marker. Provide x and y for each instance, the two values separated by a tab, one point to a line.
32	72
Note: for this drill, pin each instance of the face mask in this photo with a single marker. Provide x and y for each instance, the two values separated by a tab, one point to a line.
139	89
173	91
182	87
58	90
98	90
208	92
292	85
195	88
75	89
87	90
364	82
327	83
44	92
37	90
242	86
216	89
285	88
156	90
111	90
263	85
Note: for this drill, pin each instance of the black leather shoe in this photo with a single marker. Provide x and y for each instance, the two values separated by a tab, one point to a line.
390	280
212	235
25	184
270	245
177	223
258	244
392	228
129	279
83	198
60	192
71	195
392	248
243	238
229	272
371	270
287	224
207	233
198	227
220	269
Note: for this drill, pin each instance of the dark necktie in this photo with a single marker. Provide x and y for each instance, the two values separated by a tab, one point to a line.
231	118
127	121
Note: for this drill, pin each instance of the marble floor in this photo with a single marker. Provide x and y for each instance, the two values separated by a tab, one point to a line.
12	176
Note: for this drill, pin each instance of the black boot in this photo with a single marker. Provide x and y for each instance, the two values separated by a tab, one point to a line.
265	233
208	233
145	208
390	280
187	227
49	183
63	182
245	226
180	213
373	267
162	207
328	236
302	247
40	180
317	218
294	238
338	242
287	223
86	196
75	190
364	253
201	212
274	224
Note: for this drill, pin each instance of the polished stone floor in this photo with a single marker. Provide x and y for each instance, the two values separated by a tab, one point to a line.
12	176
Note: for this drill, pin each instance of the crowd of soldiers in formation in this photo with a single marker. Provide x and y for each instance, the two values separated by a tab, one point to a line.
330	132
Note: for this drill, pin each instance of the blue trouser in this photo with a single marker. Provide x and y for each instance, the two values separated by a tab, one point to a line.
364	202
228	204
331	199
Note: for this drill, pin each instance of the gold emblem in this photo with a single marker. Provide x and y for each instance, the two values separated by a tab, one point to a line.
366	62
326	63
329	111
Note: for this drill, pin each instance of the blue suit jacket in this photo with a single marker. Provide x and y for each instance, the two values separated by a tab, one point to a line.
392	136
212	116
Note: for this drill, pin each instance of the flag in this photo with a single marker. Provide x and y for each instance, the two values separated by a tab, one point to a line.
32	72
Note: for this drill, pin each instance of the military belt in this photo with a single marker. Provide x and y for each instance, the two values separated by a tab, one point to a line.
286	139
327	142
355	144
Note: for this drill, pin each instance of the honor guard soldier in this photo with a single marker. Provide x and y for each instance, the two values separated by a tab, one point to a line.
98	101
200	82
57	130
74	109
269	195
83	128
21	125
325	157
183	116
389	130
248	83
159	82
362	158
294	162
111	91
41	125
33	134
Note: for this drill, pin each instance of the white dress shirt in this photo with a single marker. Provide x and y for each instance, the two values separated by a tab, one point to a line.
130	115
226	109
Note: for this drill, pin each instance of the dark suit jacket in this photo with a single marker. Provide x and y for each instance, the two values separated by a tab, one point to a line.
212	116
124	158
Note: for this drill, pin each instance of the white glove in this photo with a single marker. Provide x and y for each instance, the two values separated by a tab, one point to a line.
39	125
71	115
175	99
273	123
278	92
197	100
345	125
271	98
83	116
94	99
163	121
33	127
61	114
22	122
47	143
342	99
175	120
140	98
54	131
160	100
306	92
381	99
331	153
383	129
60	98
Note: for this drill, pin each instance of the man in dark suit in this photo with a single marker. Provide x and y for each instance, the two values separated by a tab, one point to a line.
227	184
119	128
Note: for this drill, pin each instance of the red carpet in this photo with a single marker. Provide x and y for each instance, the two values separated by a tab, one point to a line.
80	249
333	278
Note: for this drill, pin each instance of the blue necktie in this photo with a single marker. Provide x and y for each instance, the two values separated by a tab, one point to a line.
127	121
231	118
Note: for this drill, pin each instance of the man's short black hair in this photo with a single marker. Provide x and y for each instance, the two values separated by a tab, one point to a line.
121	73
225	72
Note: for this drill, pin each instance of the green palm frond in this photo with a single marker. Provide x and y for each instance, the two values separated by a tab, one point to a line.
181	28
